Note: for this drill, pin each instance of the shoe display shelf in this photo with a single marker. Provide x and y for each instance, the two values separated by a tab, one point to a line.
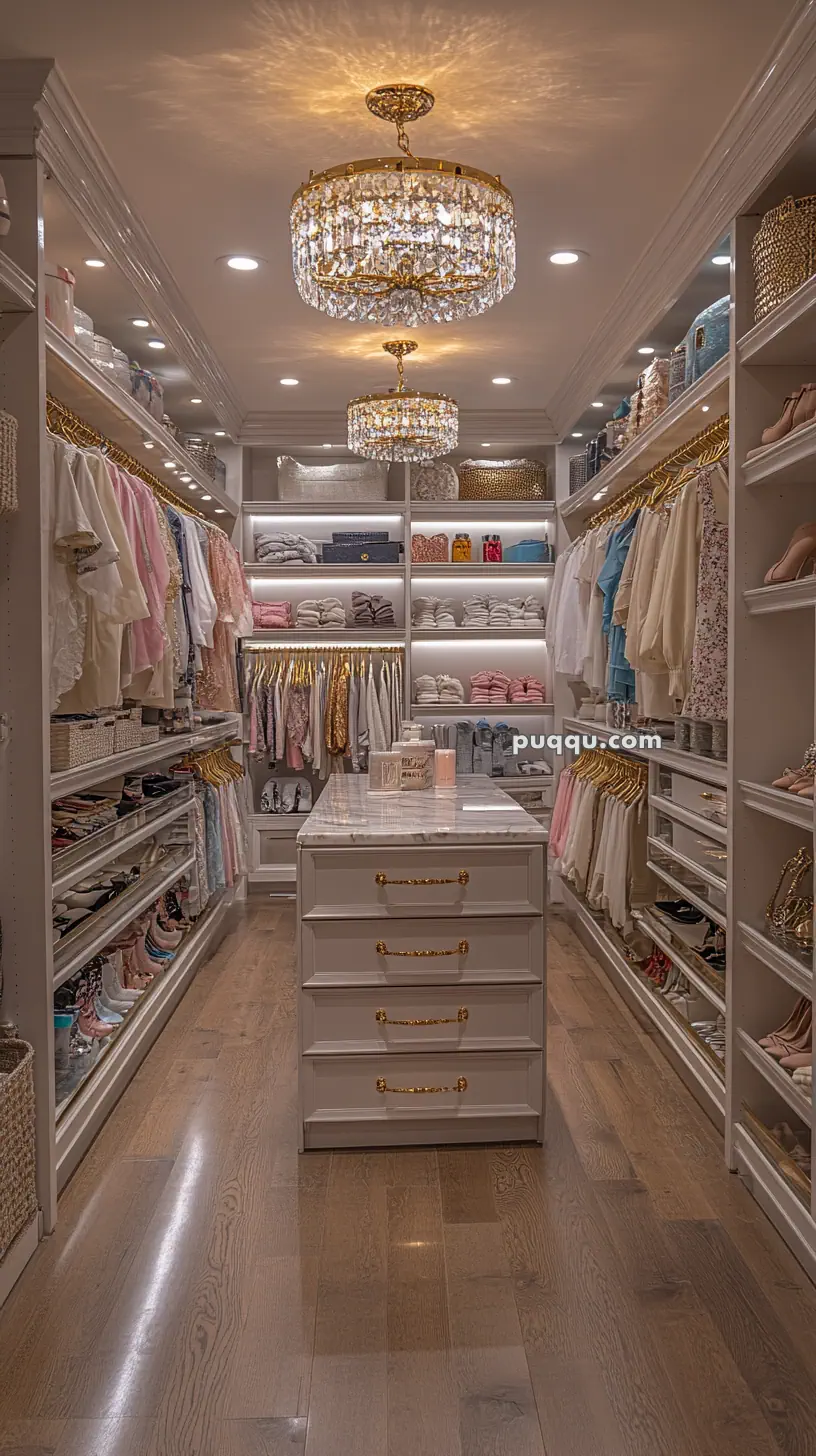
97	850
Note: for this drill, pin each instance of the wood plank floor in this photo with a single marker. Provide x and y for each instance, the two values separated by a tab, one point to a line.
211	1293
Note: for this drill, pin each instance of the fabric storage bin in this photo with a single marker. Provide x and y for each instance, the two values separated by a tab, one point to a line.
75	741
783	252
531	551
149	733
18	1192
434	480
145	388
385	552
430	548
127	730
59	298
707	339
83	332
357	480
502	480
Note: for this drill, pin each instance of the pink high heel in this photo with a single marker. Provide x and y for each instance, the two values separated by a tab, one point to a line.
800	552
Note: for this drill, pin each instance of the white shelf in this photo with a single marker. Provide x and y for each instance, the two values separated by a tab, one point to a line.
453	635
80	1117
661	938
682	891
787	596
776	1076
709	770
73	780
77	383
678	423
787	336
681	815
470	569
790	461
463	512
779	960
258	510
482	710
702	1076
271	874
684	861
17	290
343	636
96	855
318	570
94	934
793	1221
778	804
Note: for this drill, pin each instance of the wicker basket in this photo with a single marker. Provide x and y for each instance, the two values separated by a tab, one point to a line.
357	480
18	1192
202	452
783	252
149	733
127	730
74	742
502	480
8	464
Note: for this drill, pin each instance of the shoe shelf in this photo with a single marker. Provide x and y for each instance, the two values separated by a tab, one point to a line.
80	1115
776	1196
794	968
682	889
93	934
466	512
677	424
681	815
697	1066
778	803
77	383
787	336
451	635
471	570
17	290
790	461
786	596
73	780
778	1155
94	852
682	958
319	571
482	710
687	865
776	1076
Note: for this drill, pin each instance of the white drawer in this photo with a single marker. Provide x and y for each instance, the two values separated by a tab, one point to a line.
366	953
497	879
490	1018
464	1095
692	794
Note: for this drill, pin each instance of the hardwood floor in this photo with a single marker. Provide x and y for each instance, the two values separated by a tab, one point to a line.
211	1293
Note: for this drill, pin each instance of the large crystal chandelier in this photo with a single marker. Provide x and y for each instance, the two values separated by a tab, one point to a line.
404	424
403	240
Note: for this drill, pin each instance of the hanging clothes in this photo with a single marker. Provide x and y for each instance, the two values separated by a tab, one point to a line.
708	693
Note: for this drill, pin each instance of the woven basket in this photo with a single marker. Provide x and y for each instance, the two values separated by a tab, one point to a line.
577	472
783	252
76	742
8	464
149	733
203	453
127	730
502	480
355	480
18	1191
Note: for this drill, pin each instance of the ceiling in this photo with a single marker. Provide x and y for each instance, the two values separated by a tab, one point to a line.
596	118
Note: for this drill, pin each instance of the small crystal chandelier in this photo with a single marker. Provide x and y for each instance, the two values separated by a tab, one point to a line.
403	240
404	424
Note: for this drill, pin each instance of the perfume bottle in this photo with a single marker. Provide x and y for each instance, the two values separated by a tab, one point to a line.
491	548
462	549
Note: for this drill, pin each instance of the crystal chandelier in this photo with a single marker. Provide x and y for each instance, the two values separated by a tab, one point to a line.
403	240
405	424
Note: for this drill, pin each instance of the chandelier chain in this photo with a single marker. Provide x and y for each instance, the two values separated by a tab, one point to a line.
403	142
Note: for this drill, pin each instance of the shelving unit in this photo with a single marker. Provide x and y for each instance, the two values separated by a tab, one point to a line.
93	853
778	803
17	295
482	710
173	745
786	597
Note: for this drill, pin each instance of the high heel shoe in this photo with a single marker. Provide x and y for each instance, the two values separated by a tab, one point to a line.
788	778
805	408
800	553
783	425
802	1008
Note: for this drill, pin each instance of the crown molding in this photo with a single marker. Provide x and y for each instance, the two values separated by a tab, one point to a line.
293	429
39	114
774	111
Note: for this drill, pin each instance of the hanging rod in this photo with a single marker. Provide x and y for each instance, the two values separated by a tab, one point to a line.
661	473
71	427
320	647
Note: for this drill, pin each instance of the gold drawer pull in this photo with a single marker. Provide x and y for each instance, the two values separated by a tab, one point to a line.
463	878
461	1086
461	949
385	1020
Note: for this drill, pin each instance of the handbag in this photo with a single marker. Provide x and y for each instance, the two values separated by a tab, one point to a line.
530	550
707	339
434	480
783	252
429	548
792	916
354	480
502	480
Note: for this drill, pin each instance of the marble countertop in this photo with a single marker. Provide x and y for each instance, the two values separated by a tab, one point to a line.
476	811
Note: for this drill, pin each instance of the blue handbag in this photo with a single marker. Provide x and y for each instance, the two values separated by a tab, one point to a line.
707	339
529	551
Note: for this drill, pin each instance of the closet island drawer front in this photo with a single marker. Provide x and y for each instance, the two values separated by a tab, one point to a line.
423	1018
422	951
432	1087
425	880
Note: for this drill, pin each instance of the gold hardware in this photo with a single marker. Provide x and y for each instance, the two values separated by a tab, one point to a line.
461	1086
463	878
364	556
385	1020
461	949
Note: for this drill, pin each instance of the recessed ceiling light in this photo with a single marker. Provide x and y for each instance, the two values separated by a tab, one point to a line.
502	379
220	511
485	445
155	344
290	381
219	433
140	323
185	478
242	263
148	444
206	497
563	258
597	404
646	349
721	259
196	400
170	465
706	408
577	434
94	262
191	485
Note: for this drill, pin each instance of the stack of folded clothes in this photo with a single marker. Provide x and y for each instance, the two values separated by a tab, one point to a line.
440	689
425	689
489	687
372	610
532	611
434	613
487	610
278	547
272	616
321	612
527	689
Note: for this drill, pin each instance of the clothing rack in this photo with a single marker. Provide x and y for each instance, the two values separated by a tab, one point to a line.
71	427
710	445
